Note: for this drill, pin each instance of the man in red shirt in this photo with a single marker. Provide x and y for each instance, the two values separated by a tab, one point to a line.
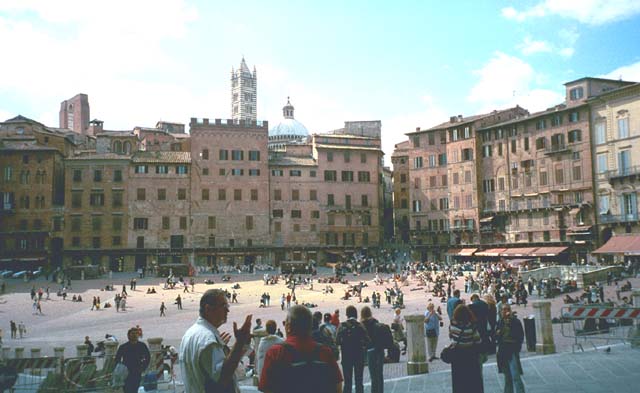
315	366
335	318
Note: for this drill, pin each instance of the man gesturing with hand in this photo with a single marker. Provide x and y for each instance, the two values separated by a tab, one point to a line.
207	363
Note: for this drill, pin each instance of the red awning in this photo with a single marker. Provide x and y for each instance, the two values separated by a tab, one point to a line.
623	244
467	252
518	252
491	252
548	251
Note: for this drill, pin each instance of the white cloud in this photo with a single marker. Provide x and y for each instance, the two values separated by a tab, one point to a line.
530	46
591	12
629	72
566	52
506	81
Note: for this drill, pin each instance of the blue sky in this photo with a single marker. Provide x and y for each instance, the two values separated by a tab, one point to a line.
407	63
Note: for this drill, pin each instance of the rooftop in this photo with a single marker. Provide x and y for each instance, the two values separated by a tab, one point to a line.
175	157
293	161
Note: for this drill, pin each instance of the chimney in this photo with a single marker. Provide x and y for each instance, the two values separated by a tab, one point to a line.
95	126
459	117
417	129
453	119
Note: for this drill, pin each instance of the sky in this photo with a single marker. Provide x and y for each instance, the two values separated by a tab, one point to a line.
407	63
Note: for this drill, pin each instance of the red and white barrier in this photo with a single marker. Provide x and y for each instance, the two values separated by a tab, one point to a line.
583	312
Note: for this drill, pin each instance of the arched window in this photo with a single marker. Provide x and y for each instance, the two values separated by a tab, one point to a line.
38	177
117	147
127	147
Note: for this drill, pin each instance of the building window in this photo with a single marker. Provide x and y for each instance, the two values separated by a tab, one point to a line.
205	171
76	199
575	136
330	200
176	241
363	158
543	178
330	175
162	194
96	199
432	161
211	222
295	195
277	226
295	173
166	222
183	222
315	214
237	172
574	117
182	194
277	195
559	175
254	155
212	241
254	194
364	177
77	175
486	151
141	194
467	176
277	172
364	200
117	175
277	213
313	195
312	173
140	242
254	172
467	154
330	156
601	133
205	194
417	162
141	169
116	223
296	213
237	155
95	242
162	169
417	206
623	128
96	223
237	195
116	240
223	155
576	93
140	223
347	176
76	224
205	154
182	170
577	173
602	162
347	157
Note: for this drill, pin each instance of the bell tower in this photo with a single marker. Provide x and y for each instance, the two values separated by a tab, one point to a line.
244	93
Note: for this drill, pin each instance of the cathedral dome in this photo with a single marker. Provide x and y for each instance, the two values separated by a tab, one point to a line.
288	127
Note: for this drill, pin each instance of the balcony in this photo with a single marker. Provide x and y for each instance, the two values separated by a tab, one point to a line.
558	148
462	228
622	173
618	218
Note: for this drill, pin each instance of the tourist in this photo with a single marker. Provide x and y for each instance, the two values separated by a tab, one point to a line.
206	362
89	344
266	343
179	302
375	349
491	320
466	369
278	372
14	329
335	318
480	311
163	308
353	341
510	336
135	355
453	302
432	330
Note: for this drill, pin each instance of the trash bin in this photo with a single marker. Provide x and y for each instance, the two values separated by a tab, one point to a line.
530	332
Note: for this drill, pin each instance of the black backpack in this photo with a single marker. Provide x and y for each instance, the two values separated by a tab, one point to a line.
383	339
307	372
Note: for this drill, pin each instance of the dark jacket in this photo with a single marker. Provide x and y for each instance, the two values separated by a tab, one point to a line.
510	336
352	338
134	355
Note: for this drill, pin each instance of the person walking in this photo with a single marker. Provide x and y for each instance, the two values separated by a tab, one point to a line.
282	372
179	302
510	336
375	349
432	330
353	341
466	369
14	329
206	362
163	308
453	302
135	356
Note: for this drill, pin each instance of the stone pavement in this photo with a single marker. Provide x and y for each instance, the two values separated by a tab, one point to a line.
588	372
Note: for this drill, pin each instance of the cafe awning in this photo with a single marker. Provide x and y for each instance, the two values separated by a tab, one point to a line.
518	261
486	219
622	244
518	252
453	251
491	252
467	252
548	251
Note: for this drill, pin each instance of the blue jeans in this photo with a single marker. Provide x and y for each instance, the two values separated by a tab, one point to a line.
512	377
375	361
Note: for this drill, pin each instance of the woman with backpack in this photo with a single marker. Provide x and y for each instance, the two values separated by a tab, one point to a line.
466	368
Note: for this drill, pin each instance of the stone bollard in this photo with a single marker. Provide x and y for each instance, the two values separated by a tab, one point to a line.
416	346
634	332
81	350
58	352
6	353
35	353
544	329
19	352
257	336
157	358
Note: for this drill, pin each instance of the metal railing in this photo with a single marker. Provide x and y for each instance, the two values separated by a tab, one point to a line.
585	323
612	218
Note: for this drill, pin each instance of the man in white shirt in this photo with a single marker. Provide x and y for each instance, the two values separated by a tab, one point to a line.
206	362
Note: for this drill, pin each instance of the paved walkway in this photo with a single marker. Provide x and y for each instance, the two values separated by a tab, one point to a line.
584	372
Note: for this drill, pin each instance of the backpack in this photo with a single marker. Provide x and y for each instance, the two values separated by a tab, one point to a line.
352	337
383	339
306	372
